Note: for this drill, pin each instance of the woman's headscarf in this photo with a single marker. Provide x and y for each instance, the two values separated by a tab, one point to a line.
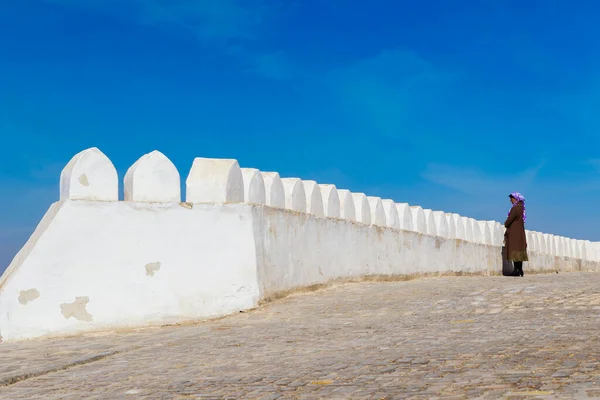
520	198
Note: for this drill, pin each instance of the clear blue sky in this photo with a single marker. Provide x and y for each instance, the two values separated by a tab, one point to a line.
448	104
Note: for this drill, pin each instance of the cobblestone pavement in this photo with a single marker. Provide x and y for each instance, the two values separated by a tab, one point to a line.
461	337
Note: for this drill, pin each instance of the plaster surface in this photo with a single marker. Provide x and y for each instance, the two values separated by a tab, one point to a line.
558	245
132	274
551	245
314	199
460	226
362	208
593	251
541	240
419	223
138	264
575	248
347	208
530	239
451	226
477	233
541	243
89	175
468	224
391	214
152	178
377	212
295	197
579	250
297	250
404	216
430	221
491	226
213	180
567	248
254	186
441	222
300	250
485	232
331	200
274	191
500	230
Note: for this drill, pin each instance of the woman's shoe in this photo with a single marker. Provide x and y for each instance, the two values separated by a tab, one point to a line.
518	272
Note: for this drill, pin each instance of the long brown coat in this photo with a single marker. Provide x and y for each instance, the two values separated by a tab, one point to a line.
515	239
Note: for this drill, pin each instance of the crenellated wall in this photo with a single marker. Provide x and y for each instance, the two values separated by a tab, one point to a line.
239	237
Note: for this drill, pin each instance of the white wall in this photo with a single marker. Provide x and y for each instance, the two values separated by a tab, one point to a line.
296	250
130	264
98	263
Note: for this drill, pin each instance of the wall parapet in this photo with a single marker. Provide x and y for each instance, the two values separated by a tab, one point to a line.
91	176
286	232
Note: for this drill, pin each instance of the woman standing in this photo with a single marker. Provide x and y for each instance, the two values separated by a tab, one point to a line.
515	239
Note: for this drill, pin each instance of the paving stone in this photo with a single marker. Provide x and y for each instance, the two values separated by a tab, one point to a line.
462	337
562	374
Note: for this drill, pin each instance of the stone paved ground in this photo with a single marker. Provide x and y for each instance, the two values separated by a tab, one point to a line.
465	337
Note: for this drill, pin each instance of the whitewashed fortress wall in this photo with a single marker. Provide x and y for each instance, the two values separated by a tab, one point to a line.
241	236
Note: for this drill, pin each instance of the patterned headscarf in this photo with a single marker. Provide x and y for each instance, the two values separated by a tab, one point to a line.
520	198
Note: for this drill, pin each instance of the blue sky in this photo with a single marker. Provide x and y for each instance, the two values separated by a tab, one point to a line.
448	104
